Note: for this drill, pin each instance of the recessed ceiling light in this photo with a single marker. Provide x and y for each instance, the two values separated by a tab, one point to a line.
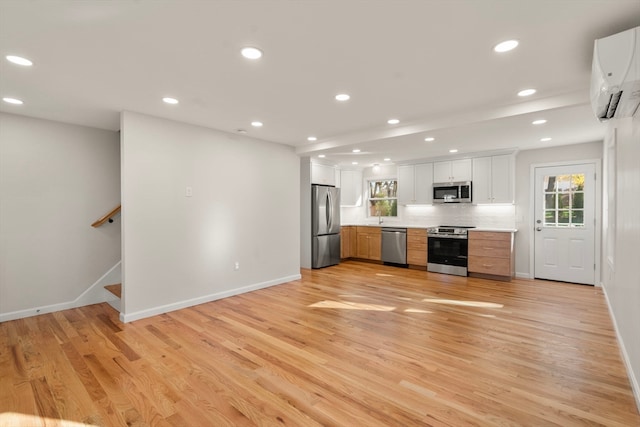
168	100
526	92
342	97
354	163
539	122
506	46
393	121
251	52
256	124
355	150
387	159
13	101
19	60
545	139
312	138
429	139
453	150
322	156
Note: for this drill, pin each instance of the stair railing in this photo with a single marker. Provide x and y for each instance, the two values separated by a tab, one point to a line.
108	217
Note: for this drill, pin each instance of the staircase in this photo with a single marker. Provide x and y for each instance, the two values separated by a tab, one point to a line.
114	295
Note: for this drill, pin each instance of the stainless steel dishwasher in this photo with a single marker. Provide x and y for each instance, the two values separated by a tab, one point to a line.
394	245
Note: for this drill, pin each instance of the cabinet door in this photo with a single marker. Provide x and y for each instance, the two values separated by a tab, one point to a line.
351	188
353	242
423	184
502	179
375	247
345	245
322	174
461	170
481	185
363	246
442	172
406	187
417	247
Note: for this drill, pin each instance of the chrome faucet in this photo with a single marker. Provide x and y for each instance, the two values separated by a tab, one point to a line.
380	217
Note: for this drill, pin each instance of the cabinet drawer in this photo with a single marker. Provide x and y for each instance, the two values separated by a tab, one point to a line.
417	240
417	258
490	235
368	230
489	248
417	232
489	265
417	247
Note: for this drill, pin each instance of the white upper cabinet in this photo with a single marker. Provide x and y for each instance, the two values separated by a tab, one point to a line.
415	184
351	188
406	185
453	170
323	174
493	179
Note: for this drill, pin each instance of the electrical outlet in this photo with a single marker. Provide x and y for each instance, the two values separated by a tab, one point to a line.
188	192
237	266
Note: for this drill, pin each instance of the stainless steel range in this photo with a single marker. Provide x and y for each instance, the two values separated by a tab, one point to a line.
448	249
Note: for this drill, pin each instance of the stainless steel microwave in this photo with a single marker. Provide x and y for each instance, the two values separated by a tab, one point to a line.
452	192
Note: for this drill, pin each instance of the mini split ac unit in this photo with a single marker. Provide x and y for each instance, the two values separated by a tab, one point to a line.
615	75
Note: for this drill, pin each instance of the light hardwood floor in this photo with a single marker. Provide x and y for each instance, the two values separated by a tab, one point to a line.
353	345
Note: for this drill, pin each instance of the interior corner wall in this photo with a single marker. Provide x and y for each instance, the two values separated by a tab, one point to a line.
55	180
621	281
524	160
305	212
180	250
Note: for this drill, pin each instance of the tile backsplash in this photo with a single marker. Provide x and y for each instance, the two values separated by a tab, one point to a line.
484	216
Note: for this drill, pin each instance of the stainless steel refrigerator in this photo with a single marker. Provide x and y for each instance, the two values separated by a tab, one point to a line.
325	226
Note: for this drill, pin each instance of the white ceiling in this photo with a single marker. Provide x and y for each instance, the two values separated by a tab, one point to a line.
428	63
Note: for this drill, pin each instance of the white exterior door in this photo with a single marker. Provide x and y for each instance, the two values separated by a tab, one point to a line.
565	223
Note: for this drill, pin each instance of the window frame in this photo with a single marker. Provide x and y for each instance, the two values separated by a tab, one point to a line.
392	200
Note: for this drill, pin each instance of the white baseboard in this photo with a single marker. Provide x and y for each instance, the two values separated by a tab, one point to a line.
633	379
130	317
93	295
523	276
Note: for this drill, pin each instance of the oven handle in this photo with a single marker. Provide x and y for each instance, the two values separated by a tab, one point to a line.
436	236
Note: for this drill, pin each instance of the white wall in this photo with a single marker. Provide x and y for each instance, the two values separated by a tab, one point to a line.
621	279
524	160
180	251
55	180
305	212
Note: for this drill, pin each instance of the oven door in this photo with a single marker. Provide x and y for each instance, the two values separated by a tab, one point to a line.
448	250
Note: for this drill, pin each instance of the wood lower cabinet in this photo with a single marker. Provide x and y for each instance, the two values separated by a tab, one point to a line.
417	246
348	242
491	254
369	243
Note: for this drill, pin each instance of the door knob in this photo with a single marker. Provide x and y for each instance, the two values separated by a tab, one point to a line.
539	229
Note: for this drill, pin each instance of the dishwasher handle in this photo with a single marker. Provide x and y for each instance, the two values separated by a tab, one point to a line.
394	230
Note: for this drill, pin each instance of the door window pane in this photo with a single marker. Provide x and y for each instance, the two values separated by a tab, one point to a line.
550	217
550	201
578	200
577	218
564	200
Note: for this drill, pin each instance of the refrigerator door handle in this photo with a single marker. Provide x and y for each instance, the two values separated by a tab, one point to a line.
329	212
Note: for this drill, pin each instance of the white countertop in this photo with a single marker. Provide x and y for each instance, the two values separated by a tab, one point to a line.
399	225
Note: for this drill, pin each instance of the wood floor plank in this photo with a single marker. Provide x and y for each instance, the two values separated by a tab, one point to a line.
351	345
